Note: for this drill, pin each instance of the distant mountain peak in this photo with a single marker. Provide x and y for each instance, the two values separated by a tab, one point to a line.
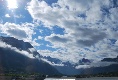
110	59
84	60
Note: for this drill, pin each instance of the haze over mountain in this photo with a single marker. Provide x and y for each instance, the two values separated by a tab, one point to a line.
109	68
70	35
14	58
20	57
105	65
110	59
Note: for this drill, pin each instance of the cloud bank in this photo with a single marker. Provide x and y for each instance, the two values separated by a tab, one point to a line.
90	29
88	26
23	52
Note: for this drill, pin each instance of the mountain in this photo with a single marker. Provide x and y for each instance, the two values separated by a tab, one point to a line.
17	56
96	70
13	61
71	70
19	44
68	68
83	61
110	68
110	59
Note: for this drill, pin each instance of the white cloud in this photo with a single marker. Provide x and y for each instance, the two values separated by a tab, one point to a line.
32	50
97	64
4	45
88	24
82	66
7	15
61	55
7	46
34	43
88	27
51	63
19	16
22	32
40	37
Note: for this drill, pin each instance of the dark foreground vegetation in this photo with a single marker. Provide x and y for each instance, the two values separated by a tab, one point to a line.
36	76
11	76
107	74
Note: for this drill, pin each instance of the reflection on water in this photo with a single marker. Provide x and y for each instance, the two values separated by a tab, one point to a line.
95	78
58	79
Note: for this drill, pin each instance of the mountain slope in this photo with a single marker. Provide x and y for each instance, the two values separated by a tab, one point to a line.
95	70
110	68
19	44
13	61
70	70
110	59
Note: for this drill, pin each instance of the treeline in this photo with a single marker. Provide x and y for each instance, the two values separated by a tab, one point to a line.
38	75
106	74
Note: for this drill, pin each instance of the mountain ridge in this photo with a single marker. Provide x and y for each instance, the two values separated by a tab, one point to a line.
14	61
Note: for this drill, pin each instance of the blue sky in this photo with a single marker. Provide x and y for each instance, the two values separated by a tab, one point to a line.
68	30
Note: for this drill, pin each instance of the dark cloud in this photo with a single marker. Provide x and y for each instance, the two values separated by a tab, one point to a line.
85	23
17	33
86	42
92	36
57	39
114	3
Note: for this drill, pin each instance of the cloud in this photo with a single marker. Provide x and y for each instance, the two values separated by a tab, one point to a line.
97	64
32	50
40	37
17	33
19	16
3	44
88	26
23	31
7	15
23	52
89	37
56	38
51	63
61	55
34	43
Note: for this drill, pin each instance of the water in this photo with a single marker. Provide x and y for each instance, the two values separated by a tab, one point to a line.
94	78
57	79
100	78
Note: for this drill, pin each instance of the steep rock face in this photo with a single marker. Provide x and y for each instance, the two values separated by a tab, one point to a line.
19	44
13	61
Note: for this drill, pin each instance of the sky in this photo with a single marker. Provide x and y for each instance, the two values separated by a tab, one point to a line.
68	30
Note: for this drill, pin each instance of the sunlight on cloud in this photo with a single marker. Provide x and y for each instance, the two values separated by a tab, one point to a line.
88	27
12	4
